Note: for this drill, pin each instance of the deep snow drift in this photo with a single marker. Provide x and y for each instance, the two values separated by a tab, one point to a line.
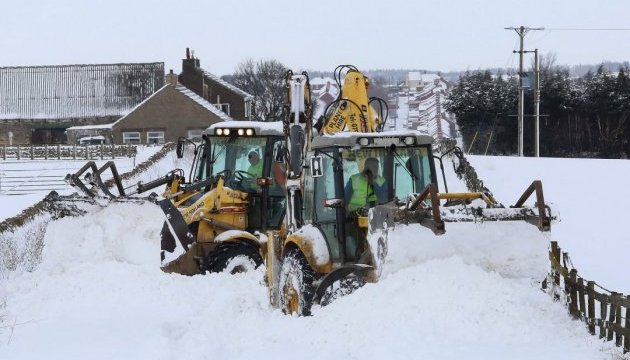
99	294
471	293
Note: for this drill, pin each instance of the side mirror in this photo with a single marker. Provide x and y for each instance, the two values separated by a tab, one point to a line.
180	148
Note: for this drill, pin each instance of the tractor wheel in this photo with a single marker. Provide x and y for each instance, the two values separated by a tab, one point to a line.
340	288
296	284
233	257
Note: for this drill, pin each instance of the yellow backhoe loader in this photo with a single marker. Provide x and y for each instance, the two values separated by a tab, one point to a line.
347	184
235	190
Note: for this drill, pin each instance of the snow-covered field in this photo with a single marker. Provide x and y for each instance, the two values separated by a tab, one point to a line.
472	293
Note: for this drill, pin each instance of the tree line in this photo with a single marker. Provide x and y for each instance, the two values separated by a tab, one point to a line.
585	116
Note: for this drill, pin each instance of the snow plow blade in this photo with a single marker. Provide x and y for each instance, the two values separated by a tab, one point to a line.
457	209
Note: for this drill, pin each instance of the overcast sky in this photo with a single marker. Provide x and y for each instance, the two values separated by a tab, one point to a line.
315	34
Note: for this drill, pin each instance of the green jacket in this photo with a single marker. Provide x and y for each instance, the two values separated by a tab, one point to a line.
362	193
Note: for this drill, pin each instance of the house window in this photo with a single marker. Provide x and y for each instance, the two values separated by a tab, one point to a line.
131	137
225	107
195	133
155	137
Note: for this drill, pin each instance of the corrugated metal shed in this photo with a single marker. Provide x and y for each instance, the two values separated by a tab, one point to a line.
76	91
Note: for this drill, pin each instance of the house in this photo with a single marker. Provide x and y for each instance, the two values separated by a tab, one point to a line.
233	101
421	105
38	103
171	112
324	90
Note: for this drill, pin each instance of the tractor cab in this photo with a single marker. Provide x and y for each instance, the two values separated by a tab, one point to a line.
248	156
352	172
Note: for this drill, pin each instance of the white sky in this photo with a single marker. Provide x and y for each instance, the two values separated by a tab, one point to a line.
435	35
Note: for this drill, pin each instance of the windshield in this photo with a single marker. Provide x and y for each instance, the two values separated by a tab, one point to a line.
240	154
378	175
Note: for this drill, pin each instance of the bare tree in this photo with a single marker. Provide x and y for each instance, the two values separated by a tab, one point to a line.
265	80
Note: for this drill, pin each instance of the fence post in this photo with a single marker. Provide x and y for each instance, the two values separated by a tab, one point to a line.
45	151
18	152
74	152
617	304
555	252
87	152
572	287
4	152
626	340
591	306
611	317
32	152
101	149
580	289
113	151
603	309
58	152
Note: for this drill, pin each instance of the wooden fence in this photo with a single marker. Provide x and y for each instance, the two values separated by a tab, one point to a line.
58	152
601	309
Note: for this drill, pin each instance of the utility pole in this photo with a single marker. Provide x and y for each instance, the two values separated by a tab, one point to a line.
521	31
537	105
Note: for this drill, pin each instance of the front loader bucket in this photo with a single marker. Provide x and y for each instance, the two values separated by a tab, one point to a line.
539	215
177	242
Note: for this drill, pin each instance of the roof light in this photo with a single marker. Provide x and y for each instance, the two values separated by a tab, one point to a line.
249	132
363	141
219	131
409	140
226	131
241	132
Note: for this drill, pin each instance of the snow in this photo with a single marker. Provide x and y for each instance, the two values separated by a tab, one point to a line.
471	293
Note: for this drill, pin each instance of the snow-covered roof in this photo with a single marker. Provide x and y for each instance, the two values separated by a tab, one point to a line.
76	91
227	85
182	89
91	127
203	102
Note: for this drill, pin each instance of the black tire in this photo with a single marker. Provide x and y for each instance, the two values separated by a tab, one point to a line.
340	288
233	257
296	284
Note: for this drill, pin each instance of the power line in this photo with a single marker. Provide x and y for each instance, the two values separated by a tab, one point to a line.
588	29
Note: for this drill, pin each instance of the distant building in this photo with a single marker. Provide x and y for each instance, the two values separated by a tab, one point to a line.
324	90
38	103
169	113
420	105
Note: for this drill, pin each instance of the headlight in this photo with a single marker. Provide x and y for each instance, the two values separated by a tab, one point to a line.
409	140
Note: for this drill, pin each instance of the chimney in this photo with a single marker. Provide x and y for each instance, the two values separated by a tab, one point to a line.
190	64
171	78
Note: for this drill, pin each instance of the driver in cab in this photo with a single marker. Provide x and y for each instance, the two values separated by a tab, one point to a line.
255	165
367	188
255	169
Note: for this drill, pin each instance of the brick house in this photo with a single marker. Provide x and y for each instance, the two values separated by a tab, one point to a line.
169	113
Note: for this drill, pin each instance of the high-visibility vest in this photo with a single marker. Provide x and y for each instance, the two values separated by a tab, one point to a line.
362	192
256	169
